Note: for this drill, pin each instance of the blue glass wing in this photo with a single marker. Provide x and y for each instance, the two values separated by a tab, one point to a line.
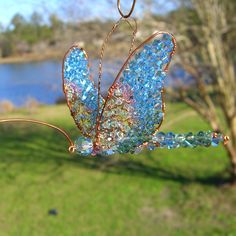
134	107
81	94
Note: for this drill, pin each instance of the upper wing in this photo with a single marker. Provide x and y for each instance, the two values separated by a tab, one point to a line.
134	108
81	94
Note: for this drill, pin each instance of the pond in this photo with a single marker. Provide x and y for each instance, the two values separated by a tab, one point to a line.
41	81
38	80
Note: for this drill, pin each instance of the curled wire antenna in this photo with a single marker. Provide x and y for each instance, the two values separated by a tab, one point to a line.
71	148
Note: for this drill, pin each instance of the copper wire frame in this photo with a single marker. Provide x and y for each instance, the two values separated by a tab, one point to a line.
129	13
71	148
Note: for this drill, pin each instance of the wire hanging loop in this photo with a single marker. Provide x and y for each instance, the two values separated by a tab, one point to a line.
130	12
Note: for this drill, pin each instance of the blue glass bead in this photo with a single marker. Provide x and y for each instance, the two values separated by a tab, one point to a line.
167	37
159	64
189	140
156	42
138	150
151	146
180	140
166	60
170	140
201	138
84	146
159	138
216	140
108	152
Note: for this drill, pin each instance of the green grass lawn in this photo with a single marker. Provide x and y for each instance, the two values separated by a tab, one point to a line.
160	193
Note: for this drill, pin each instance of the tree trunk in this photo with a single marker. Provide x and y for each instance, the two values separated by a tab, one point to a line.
231	150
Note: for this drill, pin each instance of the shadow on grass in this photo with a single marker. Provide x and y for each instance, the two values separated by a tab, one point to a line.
50	148
154	170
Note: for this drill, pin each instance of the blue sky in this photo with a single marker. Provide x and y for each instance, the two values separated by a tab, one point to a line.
9	8
93	8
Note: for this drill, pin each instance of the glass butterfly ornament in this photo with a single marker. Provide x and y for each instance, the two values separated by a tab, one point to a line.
129	118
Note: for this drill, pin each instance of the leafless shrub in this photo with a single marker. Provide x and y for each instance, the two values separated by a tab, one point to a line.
31	105
6	106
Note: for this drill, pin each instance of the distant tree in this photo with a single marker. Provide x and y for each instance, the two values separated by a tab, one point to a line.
1	28
18	22
6	47
55	23
36	19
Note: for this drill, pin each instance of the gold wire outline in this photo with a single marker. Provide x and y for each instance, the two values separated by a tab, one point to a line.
129	13
71	148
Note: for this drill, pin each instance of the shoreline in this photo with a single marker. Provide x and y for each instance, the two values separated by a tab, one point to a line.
31	58
111	54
